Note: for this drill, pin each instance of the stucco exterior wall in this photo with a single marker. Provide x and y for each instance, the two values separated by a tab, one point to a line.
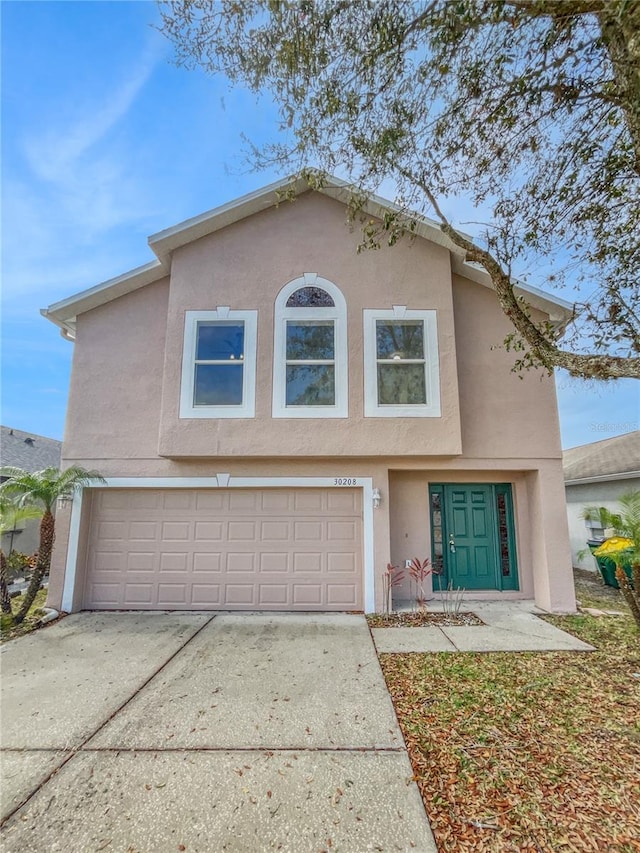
401	523
410	524
59	555
125	384
503	414
116	378
245	266
495	426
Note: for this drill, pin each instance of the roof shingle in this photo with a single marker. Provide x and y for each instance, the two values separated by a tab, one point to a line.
27	450
612	456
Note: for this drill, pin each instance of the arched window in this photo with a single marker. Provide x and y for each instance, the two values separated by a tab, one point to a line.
310	370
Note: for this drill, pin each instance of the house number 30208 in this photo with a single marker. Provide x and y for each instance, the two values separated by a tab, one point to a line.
345	481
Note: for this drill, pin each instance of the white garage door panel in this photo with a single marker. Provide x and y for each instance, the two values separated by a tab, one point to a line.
271	549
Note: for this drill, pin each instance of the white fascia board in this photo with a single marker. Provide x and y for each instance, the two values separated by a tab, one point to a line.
67	329
163	243
559	310
603	478
377	206
63	313
545	296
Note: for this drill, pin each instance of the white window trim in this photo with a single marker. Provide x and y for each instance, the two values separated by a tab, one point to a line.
220	481
247	408
339	315
430	409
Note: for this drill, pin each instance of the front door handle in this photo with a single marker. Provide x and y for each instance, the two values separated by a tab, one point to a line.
452	544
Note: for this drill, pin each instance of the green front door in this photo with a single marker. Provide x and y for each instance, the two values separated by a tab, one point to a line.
472	534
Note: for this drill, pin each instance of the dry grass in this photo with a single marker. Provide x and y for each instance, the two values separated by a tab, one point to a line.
9	631
529	751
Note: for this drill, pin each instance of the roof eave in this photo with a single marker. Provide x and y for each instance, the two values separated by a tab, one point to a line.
560	311
603	478
165	242
67	327
64	313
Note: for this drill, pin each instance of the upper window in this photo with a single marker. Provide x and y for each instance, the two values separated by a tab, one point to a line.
401	363
310	350
219	364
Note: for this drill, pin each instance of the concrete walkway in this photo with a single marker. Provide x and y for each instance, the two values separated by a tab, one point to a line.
237	732
509	626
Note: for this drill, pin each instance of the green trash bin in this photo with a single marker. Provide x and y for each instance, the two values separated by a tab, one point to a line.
607	566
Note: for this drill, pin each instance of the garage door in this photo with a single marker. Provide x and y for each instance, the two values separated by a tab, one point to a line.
229	549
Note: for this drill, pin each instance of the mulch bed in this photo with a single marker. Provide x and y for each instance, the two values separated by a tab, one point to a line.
420	618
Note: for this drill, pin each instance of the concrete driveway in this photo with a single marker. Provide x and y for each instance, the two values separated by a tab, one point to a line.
145	733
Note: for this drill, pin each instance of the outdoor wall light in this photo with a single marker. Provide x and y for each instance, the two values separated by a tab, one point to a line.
376	498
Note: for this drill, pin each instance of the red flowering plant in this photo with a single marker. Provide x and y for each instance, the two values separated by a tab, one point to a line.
419	571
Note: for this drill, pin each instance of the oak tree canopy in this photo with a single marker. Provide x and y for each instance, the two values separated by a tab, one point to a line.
528	108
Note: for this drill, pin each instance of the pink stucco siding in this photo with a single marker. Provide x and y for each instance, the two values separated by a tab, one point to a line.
495	426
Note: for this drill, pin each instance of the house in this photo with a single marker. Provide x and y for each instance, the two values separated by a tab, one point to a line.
30	452
279	416
597	474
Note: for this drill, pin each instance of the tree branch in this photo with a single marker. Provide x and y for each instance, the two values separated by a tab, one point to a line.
557	8
545	351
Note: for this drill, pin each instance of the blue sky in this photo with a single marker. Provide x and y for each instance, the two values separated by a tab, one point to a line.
104	142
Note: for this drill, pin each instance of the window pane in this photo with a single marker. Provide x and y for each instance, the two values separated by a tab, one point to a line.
220	341
400	340
218	384
400	384
311	385
310	297
503	533
310	341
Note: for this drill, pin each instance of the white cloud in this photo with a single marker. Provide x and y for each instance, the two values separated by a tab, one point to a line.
81	181
54	153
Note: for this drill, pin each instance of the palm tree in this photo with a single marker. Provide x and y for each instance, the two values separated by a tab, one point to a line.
42	489
10	516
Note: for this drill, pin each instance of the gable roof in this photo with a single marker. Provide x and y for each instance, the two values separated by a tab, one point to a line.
27	450
615	458
165	242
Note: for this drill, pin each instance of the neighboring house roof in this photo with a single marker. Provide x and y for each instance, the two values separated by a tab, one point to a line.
611	459
27	450
164	243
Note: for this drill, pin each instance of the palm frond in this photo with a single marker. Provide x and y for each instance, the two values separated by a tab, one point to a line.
11	514
44	488
75	477
630	515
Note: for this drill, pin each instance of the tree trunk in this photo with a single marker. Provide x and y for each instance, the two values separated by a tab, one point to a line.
47	536
620	26
544	349
631	595
5	598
